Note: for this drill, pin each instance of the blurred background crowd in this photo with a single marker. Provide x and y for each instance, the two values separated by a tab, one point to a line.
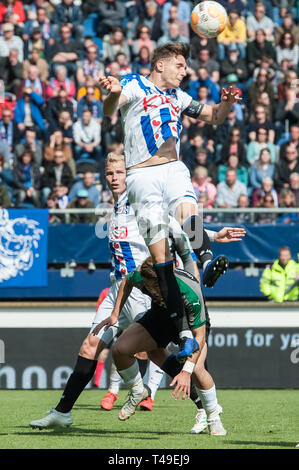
54	138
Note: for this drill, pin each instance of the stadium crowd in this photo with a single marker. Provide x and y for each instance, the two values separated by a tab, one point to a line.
54	138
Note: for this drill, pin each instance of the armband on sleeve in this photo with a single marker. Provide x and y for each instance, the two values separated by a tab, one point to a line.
194	109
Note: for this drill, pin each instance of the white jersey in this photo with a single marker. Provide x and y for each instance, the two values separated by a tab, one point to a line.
127	246
150	117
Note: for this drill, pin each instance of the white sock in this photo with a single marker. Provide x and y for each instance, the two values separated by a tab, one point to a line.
155	376
186	334
115	380
209	399
132	377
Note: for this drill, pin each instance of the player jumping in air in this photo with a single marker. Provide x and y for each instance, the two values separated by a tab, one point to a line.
158	184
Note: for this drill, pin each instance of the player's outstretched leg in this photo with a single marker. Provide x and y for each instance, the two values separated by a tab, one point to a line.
216	268
111	396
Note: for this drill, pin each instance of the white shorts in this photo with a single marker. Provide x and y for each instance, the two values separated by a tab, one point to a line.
154	193
135	307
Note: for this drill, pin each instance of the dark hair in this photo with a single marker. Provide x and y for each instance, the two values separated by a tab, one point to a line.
140	27
29	152
281	43
169	50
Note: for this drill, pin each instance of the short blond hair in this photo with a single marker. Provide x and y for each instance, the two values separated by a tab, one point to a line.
114	158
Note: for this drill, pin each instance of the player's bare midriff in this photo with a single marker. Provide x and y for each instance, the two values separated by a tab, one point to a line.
167	153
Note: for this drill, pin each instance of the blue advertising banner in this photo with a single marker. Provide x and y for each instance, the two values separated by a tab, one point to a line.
23	248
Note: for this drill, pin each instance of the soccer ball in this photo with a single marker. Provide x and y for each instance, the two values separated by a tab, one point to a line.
208	19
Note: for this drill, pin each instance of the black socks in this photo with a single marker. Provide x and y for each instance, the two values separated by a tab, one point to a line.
199	239
172	296
82	374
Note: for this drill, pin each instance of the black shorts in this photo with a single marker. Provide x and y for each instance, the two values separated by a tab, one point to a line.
159	325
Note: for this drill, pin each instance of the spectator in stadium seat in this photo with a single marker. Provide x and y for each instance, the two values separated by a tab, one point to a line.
112	131
228	191
266	188
259	21
203	59
184	10
27	180
201	77
111	15
201	184
287	109
287	49
260	85
89	66
61	81
65	124
6	177
56	143
34	82
279	282
65	51
258	48
88	184
56	172
122	60
31	143
294	186
234	64
266	202
10	41
255	146
259	119
142	61
174	18
293	139
87	137
172	34
55	105
52	203
223	130
233	34
68	13
5	199
17	9
284	168
233	145
28	112
287	199
141	39
11	72
9	134
90	102
233	162
198	43
39	62
201	159
82	201
89	81
289	81
243	217
115	43
287	26
41	22
261	169
36	41
150	17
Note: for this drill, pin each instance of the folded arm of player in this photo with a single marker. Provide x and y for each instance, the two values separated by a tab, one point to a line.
115	99
124	291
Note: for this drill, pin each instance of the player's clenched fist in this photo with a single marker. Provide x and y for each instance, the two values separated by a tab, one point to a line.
110	84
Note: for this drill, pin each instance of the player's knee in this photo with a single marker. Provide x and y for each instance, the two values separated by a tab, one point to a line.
89	347
119	349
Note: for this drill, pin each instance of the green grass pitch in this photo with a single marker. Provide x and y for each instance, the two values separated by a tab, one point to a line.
255	419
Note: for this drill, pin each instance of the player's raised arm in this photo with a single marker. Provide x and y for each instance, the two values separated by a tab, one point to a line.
115	99
217	113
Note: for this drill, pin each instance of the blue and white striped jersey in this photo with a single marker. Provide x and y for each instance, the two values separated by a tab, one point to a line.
150	117
127	246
